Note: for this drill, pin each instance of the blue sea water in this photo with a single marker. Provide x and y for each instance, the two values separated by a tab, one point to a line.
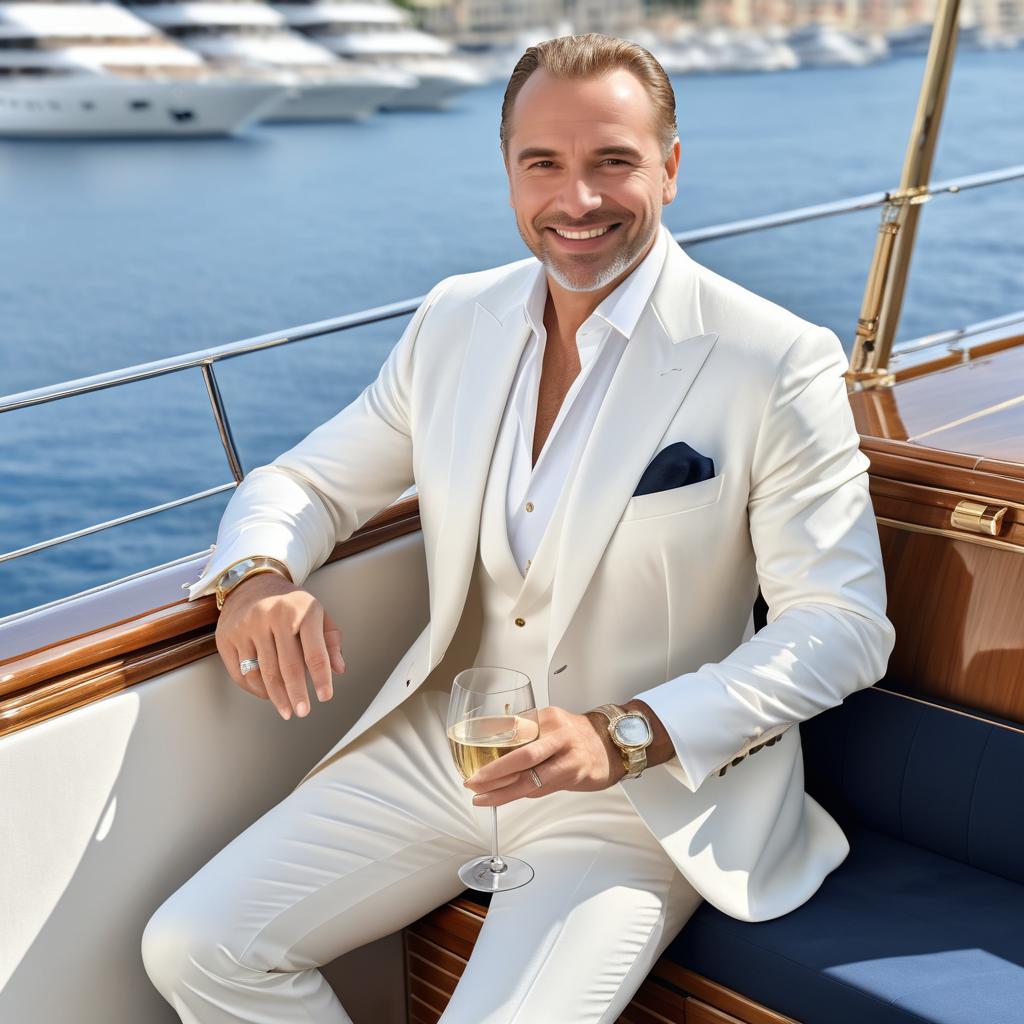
117	252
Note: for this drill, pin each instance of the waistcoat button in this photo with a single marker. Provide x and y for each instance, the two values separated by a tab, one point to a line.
529	506
520	622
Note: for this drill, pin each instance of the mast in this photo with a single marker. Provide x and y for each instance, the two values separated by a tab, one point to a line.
887	278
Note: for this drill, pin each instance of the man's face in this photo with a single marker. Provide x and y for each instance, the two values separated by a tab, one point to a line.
581	155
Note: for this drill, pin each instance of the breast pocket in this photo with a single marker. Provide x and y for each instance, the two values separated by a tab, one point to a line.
675	499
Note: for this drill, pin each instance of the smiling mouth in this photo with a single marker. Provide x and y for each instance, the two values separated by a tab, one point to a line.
585	234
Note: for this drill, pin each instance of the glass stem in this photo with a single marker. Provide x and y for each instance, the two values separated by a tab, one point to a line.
497	864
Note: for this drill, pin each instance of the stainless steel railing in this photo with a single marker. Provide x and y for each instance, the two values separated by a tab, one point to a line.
205	359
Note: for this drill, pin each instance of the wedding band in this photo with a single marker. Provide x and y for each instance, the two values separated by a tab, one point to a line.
248	665
536	778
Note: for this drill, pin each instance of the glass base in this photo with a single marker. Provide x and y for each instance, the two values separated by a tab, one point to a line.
477	874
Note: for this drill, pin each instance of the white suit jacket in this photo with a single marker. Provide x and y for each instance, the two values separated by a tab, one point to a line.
653	592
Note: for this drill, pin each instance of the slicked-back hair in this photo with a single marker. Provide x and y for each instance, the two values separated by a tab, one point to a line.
590	55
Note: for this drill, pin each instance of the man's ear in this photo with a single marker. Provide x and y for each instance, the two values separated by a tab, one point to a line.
671	168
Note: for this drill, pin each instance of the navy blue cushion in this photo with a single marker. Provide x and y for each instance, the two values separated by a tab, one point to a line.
925	774
895	935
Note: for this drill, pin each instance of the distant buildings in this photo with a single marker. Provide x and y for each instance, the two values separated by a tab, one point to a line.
508	21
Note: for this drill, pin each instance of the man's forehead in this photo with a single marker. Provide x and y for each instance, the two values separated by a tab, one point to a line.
607	106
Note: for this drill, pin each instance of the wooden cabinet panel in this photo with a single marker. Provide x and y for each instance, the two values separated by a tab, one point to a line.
955	607
953	594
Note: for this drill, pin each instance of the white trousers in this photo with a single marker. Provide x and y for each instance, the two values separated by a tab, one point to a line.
372	843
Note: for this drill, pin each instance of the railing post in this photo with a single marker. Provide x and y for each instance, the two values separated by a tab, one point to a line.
883	295
223	426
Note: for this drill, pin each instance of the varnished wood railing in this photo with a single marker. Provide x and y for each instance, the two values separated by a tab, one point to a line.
37	685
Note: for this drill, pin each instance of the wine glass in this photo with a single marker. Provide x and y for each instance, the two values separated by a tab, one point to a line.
492	711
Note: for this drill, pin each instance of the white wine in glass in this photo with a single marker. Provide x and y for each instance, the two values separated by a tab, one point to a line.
492	712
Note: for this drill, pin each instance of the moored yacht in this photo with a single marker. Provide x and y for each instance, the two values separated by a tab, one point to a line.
94	69
693	51
824	46
252	38
379	34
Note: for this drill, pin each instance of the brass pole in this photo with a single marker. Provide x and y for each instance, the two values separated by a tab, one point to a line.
887	278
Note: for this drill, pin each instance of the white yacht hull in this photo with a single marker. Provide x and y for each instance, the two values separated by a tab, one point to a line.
100	105
334	101
432	93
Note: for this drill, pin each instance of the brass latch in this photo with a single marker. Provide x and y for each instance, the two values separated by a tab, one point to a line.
978	518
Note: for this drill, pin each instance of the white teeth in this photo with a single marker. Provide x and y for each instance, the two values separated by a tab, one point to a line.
583	234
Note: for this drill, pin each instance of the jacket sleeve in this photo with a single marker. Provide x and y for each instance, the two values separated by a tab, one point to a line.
320	491
819	564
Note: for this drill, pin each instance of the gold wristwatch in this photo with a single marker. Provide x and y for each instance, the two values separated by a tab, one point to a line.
243	569
631	732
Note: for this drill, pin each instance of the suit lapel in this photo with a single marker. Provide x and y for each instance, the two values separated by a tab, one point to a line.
660	362
496	343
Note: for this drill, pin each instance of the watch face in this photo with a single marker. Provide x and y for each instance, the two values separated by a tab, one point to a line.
235	572
632	730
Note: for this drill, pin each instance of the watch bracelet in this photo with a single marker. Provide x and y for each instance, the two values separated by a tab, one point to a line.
277	566
606	722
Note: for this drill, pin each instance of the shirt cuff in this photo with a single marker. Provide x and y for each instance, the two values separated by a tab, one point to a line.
272	541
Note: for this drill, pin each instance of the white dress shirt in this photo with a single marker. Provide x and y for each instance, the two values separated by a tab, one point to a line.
533	491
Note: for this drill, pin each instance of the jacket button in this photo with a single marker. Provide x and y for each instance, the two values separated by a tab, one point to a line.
529	506
520	622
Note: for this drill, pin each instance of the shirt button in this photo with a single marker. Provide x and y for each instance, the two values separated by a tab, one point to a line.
520	622
529	506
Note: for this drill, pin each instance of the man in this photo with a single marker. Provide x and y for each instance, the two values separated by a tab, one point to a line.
612	446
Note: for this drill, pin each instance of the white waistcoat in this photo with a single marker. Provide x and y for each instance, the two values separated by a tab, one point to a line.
507	597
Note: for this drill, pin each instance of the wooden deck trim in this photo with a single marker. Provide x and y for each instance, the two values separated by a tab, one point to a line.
925	508
47	682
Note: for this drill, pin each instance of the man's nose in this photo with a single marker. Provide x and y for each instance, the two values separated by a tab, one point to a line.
579	198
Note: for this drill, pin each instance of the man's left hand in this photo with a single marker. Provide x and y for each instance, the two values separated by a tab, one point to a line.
572	752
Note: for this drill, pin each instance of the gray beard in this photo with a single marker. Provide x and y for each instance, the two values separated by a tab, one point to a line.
619	265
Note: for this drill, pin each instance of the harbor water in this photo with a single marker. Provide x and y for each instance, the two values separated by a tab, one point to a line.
117	252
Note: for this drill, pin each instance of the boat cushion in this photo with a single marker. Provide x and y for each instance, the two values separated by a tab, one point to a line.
895	935
923	920
926	773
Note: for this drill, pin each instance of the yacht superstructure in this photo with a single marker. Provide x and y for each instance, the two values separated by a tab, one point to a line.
824	46
693	51
94	69
376	33
251	38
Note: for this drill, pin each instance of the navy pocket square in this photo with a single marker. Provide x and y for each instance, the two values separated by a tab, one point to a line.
675	466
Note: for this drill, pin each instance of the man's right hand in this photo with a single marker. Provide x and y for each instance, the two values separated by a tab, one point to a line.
287	630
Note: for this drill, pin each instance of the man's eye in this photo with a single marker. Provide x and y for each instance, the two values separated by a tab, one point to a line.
614	160
539	162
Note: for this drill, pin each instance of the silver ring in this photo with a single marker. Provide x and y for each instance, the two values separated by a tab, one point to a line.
247	665
536	778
